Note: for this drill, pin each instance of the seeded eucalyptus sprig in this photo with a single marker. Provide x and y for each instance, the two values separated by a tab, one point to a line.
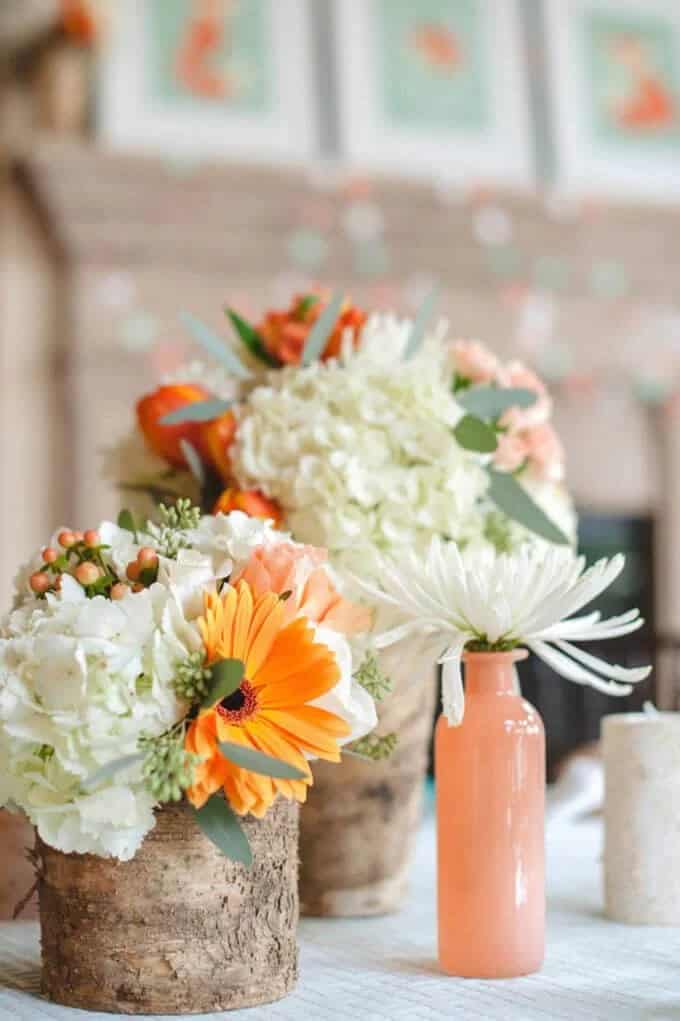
373	747
371	677
169	535
167	769
192	677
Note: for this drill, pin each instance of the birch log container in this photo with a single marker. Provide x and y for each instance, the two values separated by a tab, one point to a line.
642	818
179	929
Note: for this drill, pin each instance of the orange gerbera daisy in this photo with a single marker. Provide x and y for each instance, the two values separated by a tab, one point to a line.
285	669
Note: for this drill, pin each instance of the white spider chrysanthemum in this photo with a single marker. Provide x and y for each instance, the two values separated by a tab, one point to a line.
500	601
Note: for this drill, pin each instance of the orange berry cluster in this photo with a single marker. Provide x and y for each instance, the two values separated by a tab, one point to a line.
142	572
80	556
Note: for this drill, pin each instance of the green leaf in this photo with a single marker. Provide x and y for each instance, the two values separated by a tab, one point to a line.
474	434
420	324
510	497
199	411
110	769
258	762
492	401
219	823
225	678
126	520
321	331
214	345
306	303
249	336
194	461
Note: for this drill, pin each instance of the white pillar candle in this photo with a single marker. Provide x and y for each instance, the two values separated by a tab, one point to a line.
642	818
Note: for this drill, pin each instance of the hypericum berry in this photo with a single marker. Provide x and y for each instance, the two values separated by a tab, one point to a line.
66	539
87	574
49	555
91	538
119	590
40	582
137	587
132	570
78	536
147	557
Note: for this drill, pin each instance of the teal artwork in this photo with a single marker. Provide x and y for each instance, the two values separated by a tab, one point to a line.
210	53
633	77
434	65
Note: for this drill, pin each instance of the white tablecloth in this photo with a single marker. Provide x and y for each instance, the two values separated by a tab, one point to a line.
385	969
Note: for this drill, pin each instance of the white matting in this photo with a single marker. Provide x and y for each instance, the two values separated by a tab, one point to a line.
385	969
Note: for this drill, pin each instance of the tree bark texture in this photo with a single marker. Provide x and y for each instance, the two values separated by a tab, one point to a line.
180	929
358	827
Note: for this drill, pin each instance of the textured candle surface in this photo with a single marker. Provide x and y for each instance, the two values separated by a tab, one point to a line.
642	818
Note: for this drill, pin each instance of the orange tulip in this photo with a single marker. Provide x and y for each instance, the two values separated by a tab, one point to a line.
164	440
218	436
285	331
251	502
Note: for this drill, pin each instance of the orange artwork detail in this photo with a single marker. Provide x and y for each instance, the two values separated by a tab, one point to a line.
285	670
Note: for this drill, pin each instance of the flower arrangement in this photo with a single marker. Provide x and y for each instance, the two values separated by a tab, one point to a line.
486	602
202	658
362	434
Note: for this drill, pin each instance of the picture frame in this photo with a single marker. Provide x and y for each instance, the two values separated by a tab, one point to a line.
210	78
435	89
614	93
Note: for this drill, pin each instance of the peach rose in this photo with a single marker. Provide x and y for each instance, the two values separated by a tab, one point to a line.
473	361
251	502
546	453
511	453
285	332
299	570
517	375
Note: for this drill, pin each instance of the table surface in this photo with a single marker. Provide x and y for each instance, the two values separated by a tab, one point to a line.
385	969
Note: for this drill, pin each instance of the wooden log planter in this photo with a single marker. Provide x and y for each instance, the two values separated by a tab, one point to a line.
358	827
180	929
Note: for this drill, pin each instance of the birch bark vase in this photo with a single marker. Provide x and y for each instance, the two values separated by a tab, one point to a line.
358	827
180	929
642	818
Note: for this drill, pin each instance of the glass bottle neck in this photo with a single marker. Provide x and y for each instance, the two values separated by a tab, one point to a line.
490	673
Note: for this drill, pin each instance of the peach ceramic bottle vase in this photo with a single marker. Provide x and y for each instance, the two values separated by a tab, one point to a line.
490	782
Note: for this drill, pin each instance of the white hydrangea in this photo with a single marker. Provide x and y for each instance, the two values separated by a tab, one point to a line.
227	540
360	452
80	681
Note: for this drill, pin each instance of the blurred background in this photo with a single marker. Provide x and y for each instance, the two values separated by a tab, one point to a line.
158	156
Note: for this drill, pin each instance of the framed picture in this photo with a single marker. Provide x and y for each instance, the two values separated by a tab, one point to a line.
210	77
435	88
615	96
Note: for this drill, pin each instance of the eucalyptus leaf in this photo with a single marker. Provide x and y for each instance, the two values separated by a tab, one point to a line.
321	331
474	434
251	339
111	769
421	322
492	401
194	461
199	411
225	678
511	497
258	762
214	345
218	821
126	520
